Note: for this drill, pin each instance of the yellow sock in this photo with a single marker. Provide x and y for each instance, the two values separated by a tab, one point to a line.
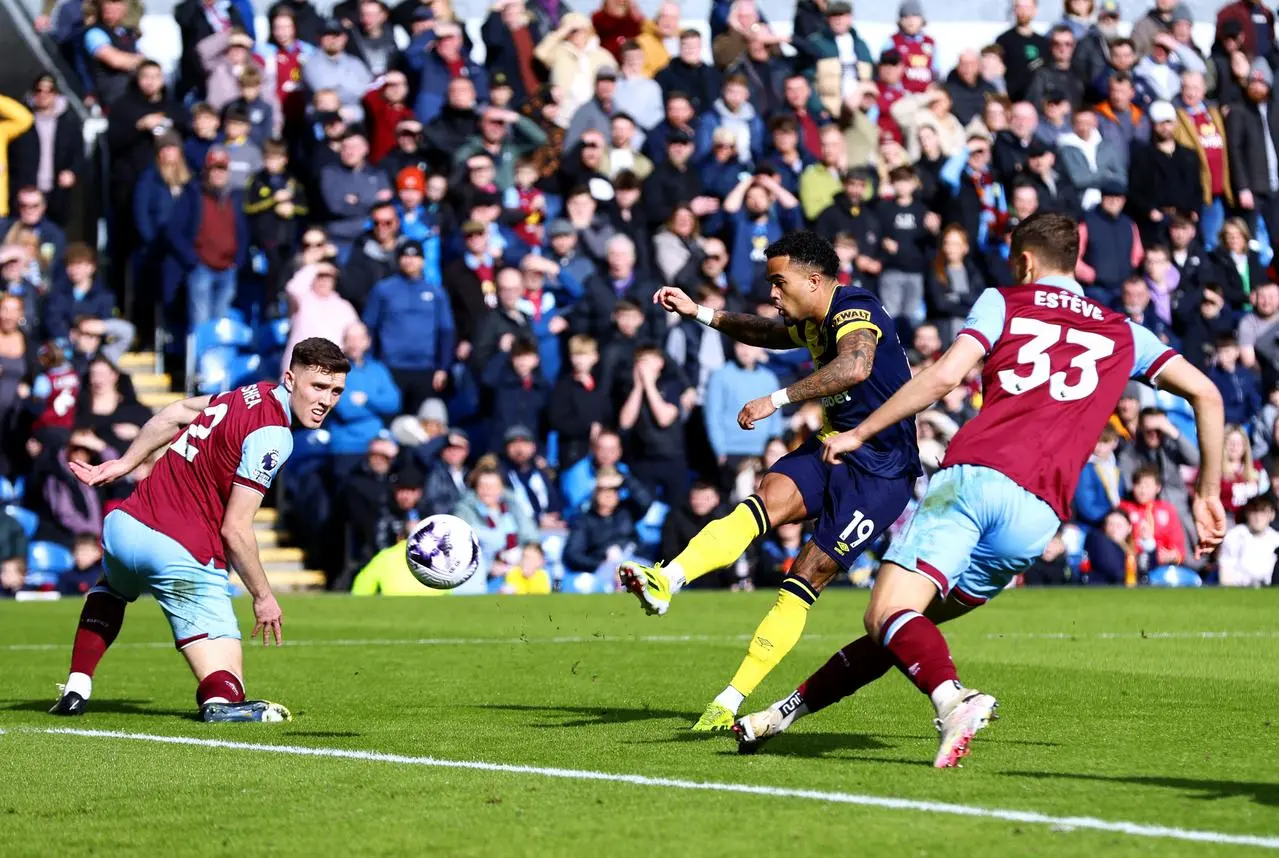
721	542
776	635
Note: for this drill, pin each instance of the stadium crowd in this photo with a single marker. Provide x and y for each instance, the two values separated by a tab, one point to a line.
484	241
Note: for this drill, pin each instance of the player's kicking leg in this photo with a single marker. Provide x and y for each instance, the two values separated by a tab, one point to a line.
857	508
719	544
850	669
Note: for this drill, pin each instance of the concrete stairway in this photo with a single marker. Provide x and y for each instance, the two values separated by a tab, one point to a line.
284	565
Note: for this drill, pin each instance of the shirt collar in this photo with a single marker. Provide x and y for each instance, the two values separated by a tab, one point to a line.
1061	281
281	395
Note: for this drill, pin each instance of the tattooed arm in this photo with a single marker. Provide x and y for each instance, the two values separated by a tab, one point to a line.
743	327
753	330
851	366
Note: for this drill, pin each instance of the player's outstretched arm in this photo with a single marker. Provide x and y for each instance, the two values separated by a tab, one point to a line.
743	327
913	397
155	433
242	550
1180	377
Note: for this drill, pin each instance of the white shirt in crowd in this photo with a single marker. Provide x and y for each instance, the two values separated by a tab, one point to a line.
1247	559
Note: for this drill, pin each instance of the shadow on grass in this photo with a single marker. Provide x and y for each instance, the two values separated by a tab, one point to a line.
589	716
1262	793
105	706
324	734
810	745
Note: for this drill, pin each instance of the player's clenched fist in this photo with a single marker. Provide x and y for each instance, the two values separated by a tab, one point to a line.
839	445
755	410
675	301
1210	522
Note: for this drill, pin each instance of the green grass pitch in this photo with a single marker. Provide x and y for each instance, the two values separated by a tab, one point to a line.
1115	707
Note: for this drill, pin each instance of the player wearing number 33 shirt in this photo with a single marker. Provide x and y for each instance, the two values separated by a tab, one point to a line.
1055	365
191	520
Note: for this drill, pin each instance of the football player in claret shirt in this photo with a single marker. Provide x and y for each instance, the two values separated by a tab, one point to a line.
858	363
191	520
1056	363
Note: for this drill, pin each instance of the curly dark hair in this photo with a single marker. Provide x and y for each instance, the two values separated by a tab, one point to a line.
807	249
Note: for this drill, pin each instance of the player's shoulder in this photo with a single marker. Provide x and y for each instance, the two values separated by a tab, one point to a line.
264	403
854	304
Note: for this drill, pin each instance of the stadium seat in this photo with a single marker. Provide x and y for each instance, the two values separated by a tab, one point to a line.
12	490
46	562
25	517
553	449
213	370
244	369
228	333
1174	576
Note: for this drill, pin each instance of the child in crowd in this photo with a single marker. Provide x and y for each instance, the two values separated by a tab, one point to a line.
246	157
907	233
1112	558
264	116
1240	392
1157	531
87	552
525	204
1248	553
276	205
530	577
205	125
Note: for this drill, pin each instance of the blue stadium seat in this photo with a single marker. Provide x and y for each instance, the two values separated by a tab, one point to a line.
213	370
1174	576
244	369
12	490
272	336
25	517
553	448
229	334
46	562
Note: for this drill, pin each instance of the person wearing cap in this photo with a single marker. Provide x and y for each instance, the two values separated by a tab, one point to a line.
403	507
1025	49
371	399
411	322
1109	246
595	114
1163	179
1252	22
533	485
446	472
208	240
573	56
1054	118
505	136
675	180
916	48
51	159
1057	74
852	211
332	67
1252	141
416	222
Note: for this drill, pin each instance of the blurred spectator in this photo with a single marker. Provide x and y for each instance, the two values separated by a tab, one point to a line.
596	112
13	556
532	484
1202	317
498	331
730	386
968	90
1247	556
1098	492
1240	393
154	197
371	37
294	33
1202	129
206	128
1091	161
1159	446
678	241
688	74
362	495
402	509
333	68
385	107
317	310
820	183
581	406
1025	50
107	408
31	213
652	413
65	505
374	256
15	280
1135	303
446	476
387	574
1109	246
500	524
530	577
690	512
621	281
1250	135
1257	332
1164	178
224	56
1157	531
605	532
1235	265
916	48
1112	557
208	240
349	189
50	156
275	203
954	282
198	21
510	33
505	136
623	156
573	56
444	62
111	51
245	155
636	89
412	326
1252	22
616	21
1241	479
518	392
909	231
758	211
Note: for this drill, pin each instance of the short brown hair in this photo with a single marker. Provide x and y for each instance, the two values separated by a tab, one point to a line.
78	251
1052	238
321	354
251	76
275	146
579	344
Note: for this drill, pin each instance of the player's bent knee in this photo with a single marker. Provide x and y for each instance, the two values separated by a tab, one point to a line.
782	499
213	654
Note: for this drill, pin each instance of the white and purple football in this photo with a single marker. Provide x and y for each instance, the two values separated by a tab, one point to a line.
443	552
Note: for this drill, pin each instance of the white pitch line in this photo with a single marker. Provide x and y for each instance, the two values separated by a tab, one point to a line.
661	639
1132	829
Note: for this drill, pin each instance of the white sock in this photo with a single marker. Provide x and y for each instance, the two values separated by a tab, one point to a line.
945	695
79	683
731	699
792	708
675	574
216	700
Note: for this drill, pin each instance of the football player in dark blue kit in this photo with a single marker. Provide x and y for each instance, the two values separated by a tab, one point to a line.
858	363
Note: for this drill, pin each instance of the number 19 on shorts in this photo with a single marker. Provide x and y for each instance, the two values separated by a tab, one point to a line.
859	530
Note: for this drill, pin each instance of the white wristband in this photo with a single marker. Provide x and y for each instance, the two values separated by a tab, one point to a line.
705	315
779	398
